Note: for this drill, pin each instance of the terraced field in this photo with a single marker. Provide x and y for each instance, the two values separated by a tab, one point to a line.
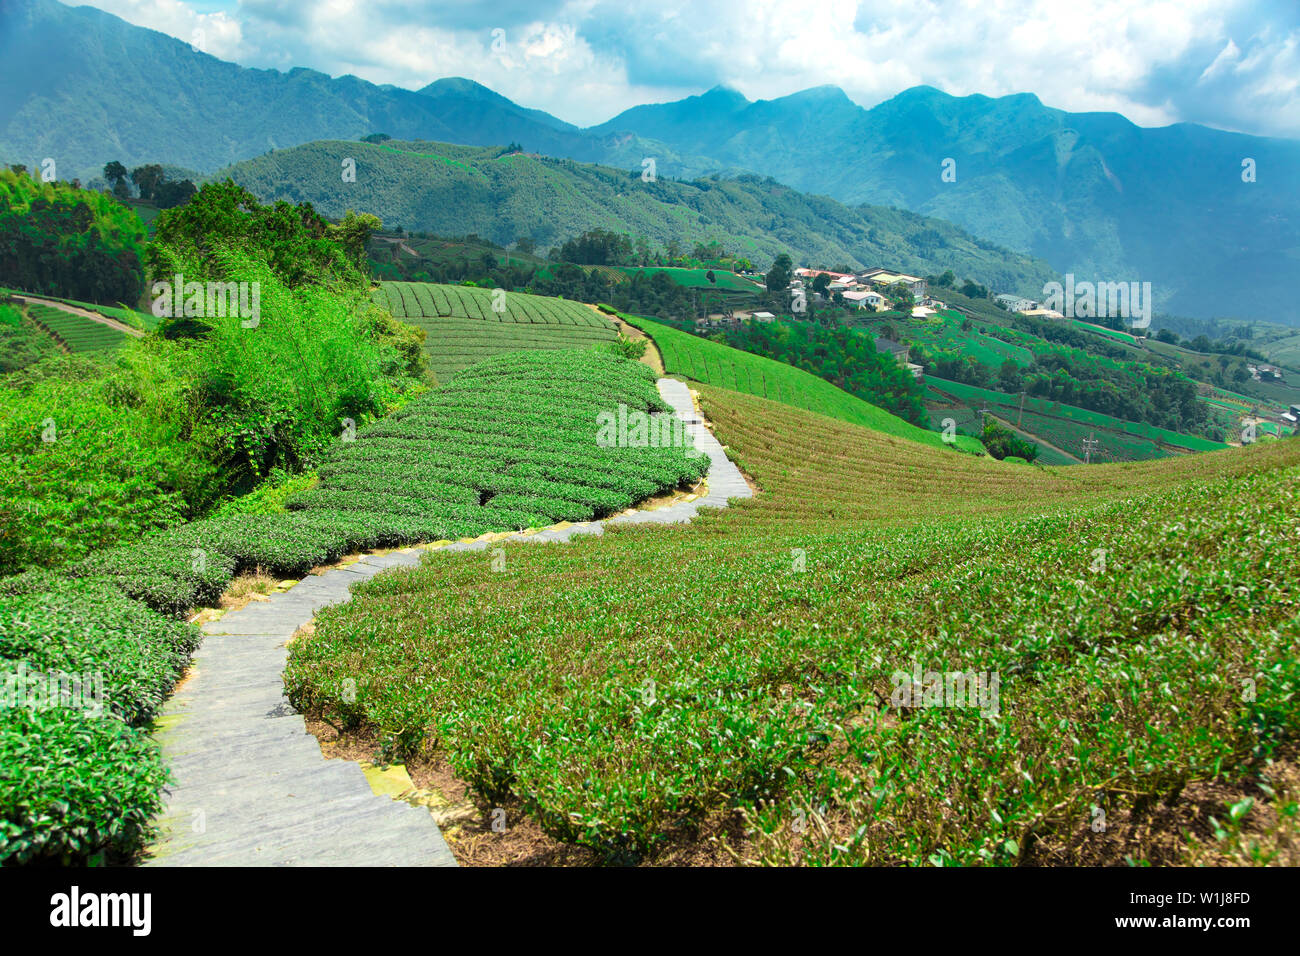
714	364
747	679
463	327
479	455
76	332
1067	426
131	317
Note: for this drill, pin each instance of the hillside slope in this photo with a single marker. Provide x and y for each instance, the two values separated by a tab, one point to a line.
454	190
1091	193
720	365
771	635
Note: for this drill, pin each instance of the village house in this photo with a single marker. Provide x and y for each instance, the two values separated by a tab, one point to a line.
714	322
864	299
882	278
1015	303
901	353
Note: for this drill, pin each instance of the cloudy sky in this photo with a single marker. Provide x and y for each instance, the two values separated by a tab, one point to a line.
1234	64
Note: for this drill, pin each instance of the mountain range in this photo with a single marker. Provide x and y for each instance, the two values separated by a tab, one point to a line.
447	189
1090	193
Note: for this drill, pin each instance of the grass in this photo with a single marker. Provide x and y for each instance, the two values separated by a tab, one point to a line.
627	692
709	362
463	327
725	281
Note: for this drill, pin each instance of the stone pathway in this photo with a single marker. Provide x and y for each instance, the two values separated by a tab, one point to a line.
251	787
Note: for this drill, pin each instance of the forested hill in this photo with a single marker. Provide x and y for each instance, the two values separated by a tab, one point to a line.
446	189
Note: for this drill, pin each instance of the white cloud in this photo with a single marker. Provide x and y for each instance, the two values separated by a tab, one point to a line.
585	60
217	33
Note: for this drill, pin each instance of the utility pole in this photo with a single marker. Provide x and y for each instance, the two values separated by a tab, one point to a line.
1021	416
1089	446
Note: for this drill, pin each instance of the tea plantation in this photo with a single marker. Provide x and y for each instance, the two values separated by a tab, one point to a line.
1122	607
511	444
464	325
76	332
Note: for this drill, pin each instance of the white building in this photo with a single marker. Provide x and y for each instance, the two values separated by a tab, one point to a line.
864	299
883	278
1015	303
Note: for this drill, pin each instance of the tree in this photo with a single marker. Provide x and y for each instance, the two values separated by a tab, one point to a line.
525	245
147	179
376	138
1002	443
778	277
172	193
295	241
821	282
711	277
115	173
1009	378
900	294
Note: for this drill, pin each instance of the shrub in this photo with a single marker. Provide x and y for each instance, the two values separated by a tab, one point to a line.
79	780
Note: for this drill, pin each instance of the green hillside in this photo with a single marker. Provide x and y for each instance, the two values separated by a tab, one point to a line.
76	332
771	634
1064	426
452	190
462	326
714	364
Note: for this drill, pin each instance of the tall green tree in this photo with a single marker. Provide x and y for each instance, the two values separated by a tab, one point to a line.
147	179
778	277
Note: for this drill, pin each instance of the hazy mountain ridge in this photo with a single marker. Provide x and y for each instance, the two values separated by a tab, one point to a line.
1091	193
454	190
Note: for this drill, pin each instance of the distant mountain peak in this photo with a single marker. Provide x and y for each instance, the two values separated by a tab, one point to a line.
460	85
823	93
724	96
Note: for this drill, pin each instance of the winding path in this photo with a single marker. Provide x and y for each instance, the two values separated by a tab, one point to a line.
251	787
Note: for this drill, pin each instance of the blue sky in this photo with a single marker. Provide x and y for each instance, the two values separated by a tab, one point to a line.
1233	64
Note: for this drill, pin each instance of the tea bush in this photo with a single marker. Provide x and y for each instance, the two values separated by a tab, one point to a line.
81	776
